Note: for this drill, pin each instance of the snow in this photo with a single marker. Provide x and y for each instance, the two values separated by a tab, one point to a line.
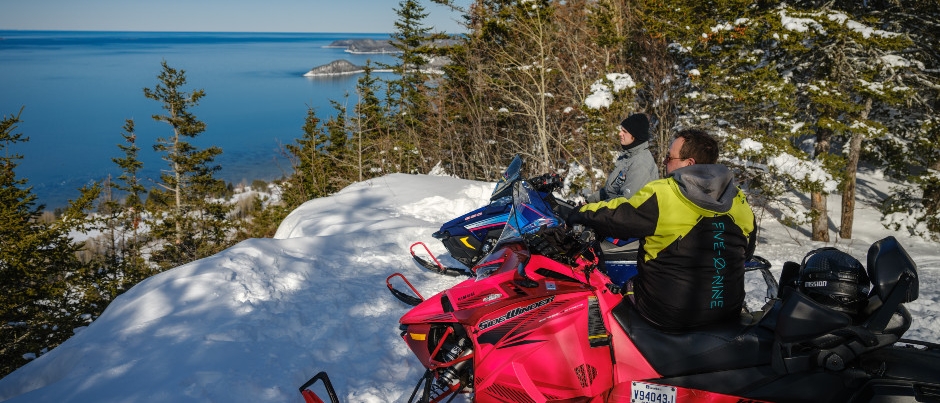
255	321
799	24
602	94
811	171
751	145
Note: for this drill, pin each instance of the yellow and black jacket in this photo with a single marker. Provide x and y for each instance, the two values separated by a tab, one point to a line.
696	230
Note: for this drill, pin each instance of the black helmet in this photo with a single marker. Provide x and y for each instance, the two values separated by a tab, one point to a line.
835	279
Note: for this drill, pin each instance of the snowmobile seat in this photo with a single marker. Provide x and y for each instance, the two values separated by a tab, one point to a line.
741	344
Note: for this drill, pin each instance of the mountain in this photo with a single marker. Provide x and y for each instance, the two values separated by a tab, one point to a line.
255	321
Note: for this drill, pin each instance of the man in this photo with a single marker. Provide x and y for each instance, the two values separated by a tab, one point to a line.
634	167
696	230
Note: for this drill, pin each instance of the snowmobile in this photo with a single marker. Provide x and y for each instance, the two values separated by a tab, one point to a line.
472	236
528	328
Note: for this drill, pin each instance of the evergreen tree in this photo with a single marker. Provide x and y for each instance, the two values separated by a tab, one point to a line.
47	290
312	166
374	136
196	225
346	152
772	78
408	94
125	252
264	219
912	147
413	41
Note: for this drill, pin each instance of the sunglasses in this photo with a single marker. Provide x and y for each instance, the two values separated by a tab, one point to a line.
667	158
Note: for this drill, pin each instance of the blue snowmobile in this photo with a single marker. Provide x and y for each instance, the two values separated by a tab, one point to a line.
471	236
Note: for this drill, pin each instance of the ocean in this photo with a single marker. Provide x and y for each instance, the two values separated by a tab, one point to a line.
76	89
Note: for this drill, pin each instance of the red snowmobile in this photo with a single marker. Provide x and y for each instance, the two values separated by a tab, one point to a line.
528	328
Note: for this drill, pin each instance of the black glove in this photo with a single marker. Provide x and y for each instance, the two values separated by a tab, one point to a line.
553	243
546	182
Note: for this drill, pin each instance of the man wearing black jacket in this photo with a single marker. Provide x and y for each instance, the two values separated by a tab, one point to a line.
696	230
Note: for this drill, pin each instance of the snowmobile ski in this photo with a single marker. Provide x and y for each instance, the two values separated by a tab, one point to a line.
436	266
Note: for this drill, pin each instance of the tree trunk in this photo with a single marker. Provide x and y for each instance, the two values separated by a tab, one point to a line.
848	187
848	190
820	217
818	200
177	190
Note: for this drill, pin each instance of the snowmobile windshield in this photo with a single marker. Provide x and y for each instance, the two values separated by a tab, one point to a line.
510	176
530	213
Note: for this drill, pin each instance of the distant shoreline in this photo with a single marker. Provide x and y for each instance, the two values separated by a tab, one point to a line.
368	46
254	102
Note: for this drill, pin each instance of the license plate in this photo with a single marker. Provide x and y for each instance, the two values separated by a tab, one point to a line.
642	392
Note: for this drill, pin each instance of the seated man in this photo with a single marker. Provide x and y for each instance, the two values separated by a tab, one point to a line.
696	231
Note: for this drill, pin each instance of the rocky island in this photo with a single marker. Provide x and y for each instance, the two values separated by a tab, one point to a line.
364	46
367	46
334	68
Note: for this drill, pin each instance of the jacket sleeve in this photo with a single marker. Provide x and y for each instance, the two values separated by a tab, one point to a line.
620	217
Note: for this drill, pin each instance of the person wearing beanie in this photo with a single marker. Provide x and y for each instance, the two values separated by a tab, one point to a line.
634	165
696	228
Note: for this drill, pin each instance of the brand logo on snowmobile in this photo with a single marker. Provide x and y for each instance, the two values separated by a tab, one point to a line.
486	324
472	216
812	284
492	297
463	297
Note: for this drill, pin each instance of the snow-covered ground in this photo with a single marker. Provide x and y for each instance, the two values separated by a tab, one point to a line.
255	321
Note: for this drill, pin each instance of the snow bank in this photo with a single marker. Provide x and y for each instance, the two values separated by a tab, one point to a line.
255	321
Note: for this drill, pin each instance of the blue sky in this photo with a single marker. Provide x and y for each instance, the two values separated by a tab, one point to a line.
216	15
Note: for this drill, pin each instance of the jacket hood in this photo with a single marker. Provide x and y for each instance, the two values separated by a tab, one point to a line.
709	186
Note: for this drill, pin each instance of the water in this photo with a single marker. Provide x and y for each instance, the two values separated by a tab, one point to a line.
77	88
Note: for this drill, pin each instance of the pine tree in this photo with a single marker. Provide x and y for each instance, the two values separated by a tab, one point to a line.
312	167
772	77
47	290
408	94
412	39
125	216
196	225
374	135
911	144
346	152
